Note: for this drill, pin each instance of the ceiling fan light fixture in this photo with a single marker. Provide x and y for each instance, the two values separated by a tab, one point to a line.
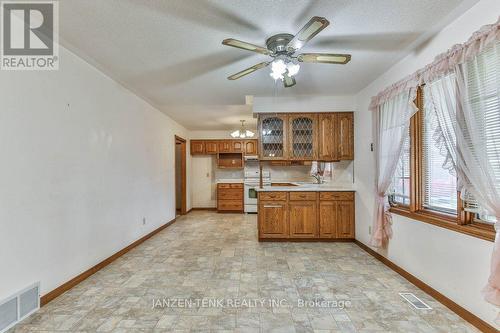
293	68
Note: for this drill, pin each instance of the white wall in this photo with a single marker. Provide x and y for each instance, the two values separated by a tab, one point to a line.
455	264
83	160
304	103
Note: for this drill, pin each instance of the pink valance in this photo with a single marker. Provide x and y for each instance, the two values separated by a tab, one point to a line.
442	64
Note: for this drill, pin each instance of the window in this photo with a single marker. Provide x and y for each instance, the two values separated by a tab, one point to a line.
439	186
400	187
424	186
482	80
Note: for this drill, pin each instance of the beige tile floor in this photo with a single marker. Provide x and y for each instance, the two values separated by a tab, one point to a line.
214	257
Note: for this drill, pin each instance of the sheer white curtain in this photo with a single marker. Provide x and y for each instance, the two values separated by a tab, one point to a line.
467	105
392	120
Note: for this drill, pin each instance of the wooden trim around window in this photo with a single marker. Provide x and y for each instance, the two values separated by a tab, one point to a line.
479	230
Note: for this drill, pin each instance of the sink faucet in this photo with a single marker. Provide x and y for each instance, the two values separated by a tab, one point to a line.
318	178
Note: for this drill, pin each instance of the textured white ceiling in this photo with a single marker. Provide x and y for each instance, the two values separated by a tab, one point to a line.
169	52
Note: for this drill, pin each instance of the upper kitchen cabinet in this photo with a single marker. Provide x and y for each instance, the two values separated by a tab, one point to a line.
303	137
237	146
326	141
307	136
211	147
225	146
251	147
345	135
197	147
273	139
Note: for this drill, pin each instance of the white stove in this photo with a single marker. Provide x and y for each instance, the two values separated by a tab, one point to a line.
252	182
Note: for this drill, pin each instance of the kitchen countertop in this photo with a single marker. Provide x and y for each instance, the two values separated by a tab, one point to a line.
230	181
308	187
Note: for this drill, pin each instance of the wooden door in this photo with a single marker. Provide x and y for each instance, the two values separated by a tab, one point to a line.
197	147
326	138
303	137
303	219
327	219
224	146
345	219
272	134
251	147
345	135
273	219
211	147
236	146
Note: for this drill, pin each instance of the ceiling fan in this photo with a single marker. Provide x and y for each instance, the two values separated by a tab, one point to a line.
282	48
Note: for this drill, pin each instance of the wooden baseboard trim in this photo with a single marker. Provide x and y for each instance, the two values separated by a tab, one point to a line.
311	240
79	278
465	314
203	208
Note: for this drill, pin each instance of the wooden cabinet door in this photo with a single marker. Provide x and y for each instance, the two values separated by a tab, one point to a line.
236	146
197	147
345	135
251	147
327	219
326	139
303	137
273	219
224	146
303	219
211	147
272	137
345	219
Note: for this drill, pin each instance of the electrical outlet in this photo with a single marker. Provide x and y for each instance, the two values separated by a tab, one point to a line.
143	221
369	230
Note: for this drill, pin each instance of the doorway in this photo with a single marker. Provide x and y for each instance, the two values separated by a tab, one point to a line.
180	176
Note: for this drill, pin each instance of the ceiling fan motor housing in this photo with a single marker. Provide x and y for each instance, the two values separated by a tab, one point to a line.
277	43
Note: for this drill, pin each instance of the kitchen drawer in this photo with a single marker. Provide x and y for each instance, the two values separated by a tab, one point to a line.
348	196
229	185
230	194
303	196
281	196
236	205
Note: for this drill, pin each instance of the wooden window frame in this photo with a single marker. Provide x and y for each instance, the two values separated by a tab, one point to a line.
463	221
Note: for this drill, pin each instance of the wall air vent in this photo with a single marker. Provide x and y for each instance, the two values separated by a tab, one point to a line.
415	301
19	306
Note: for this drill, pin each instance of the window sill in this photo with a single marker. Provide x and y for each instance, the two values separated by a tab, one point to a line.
449	222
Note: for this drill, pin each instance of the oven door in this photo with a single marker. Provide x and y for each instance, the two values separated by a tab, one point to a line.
250	194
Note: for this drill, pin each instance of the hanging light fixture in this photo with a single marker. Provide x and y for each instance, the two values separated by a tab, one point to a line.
242	133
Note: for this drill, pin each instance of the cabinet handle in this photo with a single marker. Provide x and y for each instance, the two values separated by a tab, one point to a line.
273	206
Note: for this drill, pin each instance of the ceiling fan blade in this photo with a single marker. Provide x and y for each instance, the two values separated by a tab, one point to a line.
324	58
248	71
288	81
245	46
311	29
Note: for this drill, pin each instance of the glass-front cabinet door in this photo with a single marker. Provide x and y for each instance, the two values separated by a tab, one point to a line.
272	130
303	136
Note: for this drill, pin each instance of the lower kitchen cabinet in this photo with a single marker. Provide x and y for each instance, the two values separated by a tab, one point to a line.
327	219
306	215
345	219
273	219
336	219
303	219
229	197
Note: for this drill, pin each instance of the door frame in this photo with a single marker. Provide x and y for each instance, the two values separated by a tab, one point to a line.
182	142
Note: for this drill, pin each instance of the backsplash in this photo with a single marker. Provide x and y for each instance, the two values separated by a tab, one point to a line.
342	173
